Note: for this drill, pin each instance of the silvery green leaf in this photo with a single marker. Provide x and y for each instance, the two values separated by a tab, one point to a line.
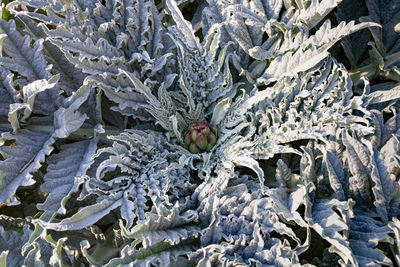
117	90
183	26
316	11
145	175
335	172
71	78
29	105
88	49
291	63
44	251
381	133
163	238
206	75
20	56
229	14
20	161
290	112
161	254
220	111
64	174
359	160
286	203
123	34
390	153
395	226
57	258
66	121
283	173
373	10
391	126
3	258
11	245
163	108
327	223
236	220
384	186
355	45
168	226
388	13
85	216
326	36
8	94
270	8
51	7
364	235
313	50
32	146
39	254
384	95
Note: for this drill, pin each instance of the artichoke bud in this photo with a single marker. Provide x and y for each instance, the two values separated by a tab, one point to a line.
200	137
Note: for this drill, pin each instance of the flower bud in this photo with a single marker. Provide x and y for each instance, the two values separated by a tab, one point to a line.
200	137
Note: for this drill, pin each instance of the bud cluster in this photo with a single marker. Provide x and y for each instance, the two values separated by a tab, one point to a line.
200	137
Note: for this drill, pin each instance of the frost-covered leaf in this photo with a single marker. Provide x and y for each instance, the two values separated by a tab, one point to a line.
383	96
168	227
327	223
315	11
386	13
390	152
64	174
30	149
395	226
20	56
243	222
29	105
336	176
162	237
161	254
205	73
364	235
234	27
385	188
143	172
71	78
313	50
8	94
31	146
124	34
359	160
11	245
355	45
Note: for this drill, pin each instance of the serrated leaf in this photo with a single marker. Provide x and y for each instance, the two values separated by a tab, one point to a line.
71	78
359	165
86	216
383	96
25	157
170	227
329	224
335	174
305	58
64	173
316	11
384	187
364	236
21	57
11	244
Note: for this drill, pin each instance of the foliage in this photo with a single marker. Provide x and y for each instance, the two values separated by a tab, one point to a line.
301	166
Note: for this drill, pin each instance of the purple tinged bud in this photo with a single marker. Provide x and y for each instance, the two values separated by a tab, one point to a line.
187	139
202	142
200	137
193	148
